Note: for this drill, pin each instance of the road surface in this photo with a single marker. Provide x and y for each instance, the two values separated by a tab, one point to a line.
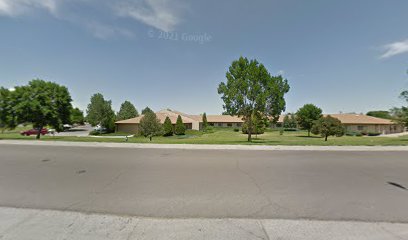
171	183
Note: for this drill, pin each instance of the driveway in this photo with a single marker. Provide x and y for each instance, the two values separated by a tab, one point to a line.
80	131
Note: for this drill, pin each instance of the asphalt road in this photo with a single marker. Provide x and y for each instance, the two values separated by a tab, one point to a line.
174	183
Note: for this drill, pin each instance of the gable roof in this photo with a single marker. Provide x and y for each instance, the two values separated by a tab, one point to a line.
161	115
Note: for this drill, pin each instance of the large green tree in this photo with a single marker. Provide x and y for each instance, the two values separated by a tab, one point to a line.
167	127
100	111
42	104
7	113
77	116
289	121
180	128
146	110
380	114
250	89
307	115
127	111
328	126
150	125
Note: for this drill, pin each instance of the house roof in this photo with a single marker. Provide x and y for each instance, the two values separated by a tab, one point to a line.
161	115
361	119
224	119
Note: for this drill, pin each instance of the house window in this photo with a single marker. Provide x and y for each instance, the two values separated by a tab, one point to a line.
239	124
229	124
360	128
212	124
219	124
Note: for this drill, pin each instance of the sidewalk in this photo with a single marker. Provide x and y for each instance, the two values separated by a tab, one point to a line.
28	224
204	147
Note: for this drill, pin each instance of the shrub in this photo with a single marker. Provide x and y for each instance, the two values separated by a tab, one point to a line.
180	127
374	134
95	133
167	127
236	129
290	129
359	134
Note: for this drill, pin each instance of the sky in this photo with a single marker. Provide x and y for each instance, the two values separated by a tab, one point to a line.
343	56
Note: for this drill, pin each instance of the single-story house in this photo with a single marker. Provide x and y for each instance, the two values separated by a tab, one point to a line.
364	123
193	122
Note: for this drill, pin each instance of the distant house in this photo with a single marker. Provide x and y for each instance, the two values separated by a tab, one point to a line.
193	122
364	123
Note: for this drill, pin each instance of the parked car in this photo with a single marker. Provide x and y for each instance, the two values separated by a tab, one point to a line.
34	132
99	128
67	127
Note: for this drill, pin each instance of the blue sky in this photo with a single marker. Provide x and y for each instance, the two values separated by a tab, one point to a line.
349	56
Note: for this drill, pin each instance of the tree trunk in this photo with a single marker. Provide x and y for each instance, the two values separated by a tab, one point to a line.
250	129
308	132
325	138
150	138
39	132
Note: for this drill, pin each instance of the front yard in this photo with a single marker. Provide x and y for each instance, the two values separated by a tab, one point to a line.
228	136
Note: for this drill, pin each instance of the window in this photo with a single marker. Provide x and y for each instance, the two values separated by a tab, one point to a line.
360	128
229	124
219	124
239	124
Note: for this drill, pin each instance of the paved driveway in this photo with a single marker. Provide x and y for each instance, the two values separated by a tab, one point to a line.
79	131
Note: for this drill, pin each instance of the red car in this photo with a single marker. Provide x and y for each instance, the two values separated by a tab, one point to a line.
34	132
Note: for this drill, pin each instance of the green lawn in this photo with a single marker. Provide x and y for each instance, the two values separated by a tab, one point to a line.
228	136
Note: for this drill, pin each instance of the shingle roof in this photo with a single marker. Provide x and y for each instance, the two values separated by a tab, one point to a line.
360	119
224	119
161	115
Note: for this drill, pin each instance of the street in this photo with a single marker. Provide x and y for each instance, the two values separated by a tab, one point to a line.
175	183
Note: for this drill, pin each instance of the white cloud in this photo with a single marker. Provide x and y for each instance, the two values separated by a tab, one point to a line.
19	7
161	14
395	48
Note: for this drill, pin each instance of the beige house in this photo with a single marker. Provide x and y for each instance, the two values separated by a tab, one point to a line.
364	123
193	122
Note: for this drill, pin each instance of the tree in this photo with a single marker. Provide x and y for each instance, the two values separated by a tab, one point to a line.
180	128
7	115
307	115
127	111
289	121
146	110
42	104
258	125
205	122
328	126
380	114
167	127
250	89
100	111
77	116
150	125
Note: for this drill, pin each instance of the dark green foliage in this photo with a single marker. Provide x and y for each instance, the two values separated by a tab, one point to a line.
236	129
180	128
127	111
7	112
307	115
328	126
150	125
374	134
380	114
258	125
77	116
250	89
205	122
100	111
289	121
42	104
146	110
167	127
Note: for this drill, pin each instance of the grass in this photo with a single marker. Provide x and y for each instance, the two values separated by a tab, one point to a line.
228	136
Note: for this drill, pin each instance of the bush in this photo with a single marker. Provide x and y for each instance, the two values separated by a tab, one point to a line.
95	133
372	134
290	129
180	128
359	134
236	129
167	127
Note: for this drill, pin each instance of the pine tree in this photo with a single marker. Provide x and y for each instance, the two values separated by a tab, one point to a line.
180	128
167	127
205	122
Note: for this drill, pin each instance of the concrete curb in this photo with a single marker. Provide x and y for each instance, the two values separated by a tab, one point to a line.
203	146
49	224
